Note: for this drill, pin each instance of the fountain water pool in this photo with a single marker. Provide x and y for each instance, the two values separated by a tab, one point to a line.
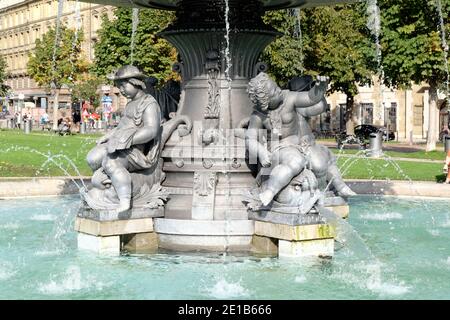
39	259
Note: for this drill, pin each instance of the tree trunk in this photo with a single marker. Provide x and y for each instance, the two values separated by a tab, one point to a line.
433	130
349	114
55	110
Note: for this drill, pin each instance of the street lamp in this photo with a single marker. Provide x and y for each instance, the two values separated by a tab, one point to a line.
387	109
55	105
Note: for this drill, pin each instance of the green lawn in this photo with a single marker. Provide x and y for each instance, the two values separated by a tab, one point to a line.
42	154
380	169
432	155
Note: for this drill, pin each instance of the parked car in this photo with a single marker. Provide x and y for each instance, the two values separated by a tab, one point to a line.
363	132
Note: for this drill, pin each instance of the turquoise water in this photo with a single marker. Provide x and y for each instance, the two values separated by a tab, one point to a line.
407	257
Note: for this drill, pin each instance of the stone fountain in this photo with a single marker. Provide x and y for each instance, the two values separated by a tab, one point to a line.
204	192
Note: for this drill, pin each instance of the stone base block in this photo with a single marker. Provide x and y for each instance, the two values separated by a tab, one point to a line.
292	219
206	243
111	228
340	210
264	245
108	245
337	204
294	233
204	235
140	242
318	248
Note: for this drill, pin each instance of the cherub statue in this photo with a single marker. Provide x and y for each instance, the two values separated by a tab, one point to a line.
134	145
322	160
288	151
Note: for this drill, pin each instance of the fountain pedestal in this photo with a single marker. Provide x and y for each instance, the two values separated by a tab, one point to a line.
207	173
111	236
338	205
292	238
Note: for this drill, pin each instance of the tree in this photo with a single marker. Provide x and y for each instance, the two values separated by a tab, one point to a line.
3	86
86	90
284	55
335	43
341	48
152	54
413	51
52	68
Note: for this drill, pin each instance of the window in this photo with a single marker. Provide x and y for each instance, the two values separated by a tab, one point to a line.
367	113
390	117
418	116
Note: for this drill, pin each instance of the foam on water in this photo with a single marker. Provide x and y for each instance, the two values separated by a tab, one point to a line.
388	289
43	217
300	279
448	261
434	232
226	290
382	216
446	223
71	281
10	226
367	276
46	253
6	270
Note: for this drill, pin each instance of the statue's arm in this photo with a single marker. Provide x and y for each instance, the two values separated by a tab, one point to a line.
151	128
252	142
107	136
314	110
313	96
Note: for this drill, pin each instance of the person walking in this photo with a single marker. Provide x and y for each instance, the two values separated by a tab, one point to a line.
18	119
76	120
44	120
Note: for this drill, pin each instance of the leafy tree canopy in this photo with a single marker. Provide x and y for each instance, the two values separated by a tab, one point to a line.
340	46
151	53
86	90
62	66
3	86
284	56
413	50
411	42
334	42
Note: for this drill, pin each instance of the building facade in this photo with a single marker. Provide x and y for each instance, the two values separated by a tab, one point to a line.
24	21
405	112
